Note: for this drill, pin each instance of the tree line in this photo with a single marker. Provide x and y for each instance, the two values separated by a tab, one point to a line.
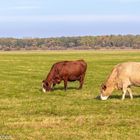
82	42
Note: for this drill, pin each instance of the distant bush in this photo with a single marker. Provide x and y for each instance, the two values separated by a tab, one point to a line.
85	42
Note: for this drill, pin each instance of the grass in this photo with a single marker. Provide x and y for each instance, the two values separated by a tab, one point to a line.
29	114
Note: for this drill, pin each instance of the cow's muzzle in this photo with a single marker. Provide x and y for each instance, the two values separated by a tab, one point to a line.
103	97
43	89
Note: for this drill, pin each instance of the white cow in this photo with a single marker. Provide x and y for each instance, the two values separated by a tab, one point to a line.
123	76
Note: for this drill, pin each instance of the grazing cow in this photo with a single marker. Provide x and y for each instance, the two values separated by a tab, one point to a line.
123	76
66	71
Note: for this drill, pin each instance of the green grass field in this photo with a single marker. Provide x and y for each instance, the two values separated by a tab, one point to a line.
26	113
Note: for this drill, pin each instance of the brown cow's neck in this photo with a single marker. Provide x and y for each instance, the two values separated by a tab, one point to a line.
49	77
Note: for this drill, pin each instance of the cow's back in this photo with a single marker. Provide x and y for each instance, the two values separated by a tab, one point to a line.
75	67
71	67
129	71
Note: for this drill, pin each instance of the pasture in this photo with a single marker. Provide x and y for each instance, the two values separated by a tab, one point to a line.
28	113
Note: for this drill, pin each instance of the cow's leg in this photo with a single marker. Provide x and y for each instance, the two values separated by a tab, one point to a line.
130	92
65	84
53	86
124	91
81	81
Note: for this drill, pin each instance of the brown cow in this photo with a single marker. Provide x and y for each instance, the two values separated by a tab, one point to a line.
66	71
123	76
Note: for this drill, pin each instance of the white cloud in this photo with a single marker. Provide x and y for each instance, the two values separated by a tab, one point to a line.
72	18
93	18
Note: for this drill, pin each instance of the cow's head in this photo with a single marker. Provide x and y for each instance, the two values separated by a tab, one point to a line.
105	91
46	86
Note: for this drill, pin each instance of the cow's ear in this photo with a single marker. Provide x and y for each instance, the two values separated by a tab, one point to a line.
103	86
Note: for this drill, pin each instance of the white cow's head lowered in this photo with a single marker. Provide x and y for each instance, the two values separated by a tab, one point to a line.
105	91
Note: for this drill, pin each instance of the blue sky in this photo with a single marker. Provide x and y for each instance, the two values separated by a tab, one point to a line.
54	18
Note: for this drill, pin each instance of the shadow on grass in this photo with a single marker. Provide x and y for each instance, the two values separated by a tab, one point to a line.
118	97
61	88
